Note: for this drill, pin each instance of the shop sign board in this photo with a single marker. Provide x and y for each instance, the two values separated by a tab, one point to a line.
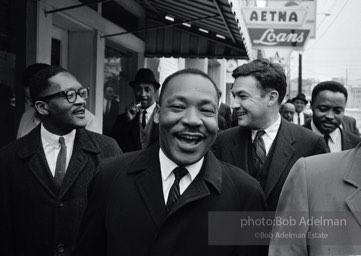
275	16
278	37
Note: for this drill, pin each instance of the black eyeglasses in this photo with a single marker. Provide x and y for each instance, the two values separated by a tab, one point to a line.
70	95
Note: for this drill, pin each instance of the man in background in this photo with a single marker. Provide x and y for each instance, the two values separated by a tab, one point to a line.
44	175
135	129
264	144
328	106
224	114
111	109
287	111
300	102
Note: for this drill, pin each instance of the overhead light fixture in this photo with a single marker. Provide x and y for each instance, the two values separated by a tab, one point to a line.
203	30
220	36
169	18
186	24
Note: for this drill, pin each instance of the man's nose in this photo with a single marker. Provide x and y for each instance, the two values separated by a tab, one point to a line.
192	117
235	103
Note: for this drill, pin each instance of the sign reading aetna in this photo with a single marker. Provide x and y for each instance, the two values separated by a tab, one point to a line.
278	37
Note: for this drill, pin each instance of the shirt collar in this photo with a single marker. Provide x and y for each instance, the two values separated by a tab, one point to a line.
271	131
167	166
53	139
151	108
333	135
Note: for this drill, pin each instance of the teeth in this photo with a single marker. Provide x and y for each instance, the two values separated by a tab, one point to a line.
189	137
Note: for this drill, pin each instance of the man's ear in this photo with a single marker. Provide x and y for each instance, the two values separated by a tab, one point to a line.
156	114
41	107
273	97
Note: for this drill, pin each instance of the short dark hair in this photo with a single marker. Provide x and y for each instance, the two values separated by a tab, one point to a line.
39	82
185	71
269	75
332	86
32	70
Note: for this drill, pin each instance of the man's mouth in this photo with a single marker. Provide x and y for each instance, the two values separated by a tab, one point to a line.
79	113
241	113
190	140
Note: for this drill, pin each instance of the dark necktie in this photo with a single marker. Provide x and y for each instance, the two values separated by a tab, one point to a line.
259	150
60	164
174	192
327	138
298	119
144	121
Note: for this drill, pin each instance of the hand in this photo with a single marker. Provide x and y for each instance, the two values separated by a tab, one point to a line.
132	111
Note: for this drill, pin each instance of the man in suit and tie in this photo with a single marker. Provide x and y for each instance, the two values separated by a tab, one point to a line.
264	144
300	102
135	129
44	175
328	106
111	109
156	201
323	190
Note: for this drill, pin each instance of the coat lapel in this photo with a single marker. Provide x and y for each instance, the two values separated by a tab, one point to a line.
83	145
210	173
346	142
149	183
240	149
282	155
33	154
353	177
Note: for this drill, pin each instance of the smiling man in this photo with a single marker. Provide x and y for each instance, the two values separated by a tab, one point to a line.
156	201
328	106
264	144
134	129
44	175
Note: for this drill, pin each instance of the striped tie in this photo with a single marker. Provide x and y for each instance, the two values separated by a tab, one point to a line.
174	192
259	150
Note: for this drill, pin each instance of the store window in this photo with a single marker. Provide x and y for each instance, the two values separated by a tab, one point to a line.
120	66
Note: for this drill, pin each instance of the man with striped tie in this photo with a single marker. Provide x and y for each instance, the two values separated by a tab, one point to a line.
156	201
264	144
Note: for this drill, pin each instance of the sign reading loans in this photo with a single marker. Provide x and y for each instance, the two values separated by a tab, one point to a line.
279	16
278	37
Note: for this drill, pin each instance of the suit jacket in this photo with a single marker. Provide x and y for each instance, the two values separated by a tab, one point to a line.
291	143
36	218
349	140
110	117
225	111
349	124
325	186
129	134
126	214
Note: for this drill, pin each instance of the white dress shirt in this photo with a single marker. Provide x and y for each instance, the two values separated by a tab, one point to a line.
51	147
149	112
335	141
270	135
167	166
302	118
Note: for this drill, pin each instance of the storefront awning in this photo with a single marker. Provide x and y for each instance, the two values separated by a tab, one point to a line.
193	28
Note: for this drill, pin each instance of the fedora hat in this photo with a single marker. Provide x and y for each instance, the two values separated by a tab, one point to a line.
300	96
145	75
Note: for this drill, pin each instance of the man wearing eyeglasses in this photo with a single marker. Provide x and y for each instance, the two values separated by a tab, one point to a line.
30	119
44	175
